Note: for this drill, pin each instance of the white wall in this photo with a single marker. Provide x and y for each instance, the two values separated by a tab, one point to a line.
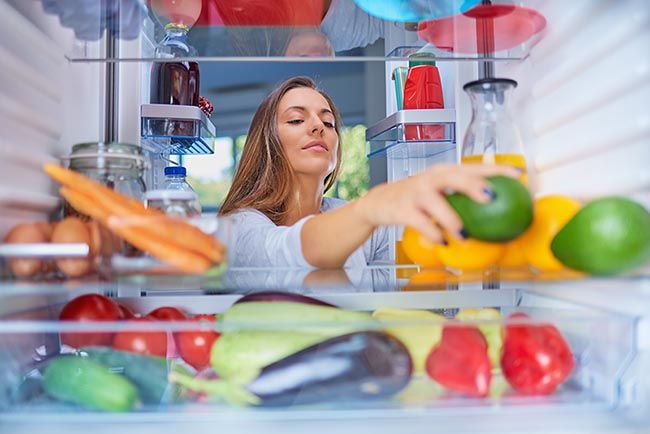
46	105
583	99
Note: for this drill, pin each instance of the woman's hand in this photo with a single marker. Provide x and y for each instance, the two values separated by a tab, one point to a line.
420	202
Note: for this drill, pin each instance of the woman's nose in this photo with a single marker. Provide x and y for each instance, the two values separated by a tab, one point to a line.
317	126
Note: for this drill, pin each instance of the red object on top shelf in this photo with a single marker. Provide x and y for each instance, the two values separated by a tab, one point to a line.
262	13
499	27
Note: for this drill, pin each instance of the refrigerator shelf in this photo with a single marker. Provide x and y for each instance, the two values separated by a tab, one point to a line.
176	130
216	41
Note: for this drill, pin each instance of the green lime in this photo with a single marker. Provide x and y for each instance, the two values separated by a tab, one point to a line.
607	236
504	218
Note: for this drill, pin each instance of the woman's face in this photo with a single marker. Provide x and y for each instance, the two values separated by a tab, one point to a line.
307	132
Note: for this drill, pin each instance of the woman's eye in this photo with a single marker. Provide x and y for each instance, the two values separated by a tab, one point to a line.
329	124
295	121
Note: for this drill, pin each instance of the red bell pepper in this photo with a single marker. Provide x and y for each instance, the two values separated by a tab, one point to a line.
460	361
536	358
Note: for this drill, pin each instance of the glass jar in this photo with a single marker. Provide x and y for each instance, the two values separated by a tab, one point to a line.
119	166
492	136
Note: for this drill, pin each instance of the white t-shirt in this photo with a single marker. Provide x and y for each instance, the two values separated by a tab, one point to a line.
258	242
347	26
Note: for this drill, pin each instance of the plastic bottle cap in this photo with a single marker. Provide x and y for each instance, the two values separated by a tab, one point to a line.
421	58
175	170
165	195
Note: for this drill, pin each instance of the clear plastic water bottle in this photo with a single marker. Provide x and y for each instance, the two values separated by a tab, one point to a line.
176	196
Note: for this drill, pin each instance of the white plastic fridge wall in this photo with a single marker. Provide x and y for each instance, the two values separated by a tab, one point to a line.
582	99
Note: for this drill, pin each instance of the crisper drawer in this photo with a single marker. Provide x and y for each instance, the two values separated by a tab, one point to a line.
282	361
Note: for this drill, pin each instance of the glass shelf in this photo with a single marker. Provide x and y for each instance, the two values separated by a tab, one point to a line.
176	130
296	31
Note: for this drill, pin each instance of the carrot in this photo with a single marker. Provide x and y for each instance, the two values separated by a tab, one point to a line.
175	231
113	201
178	256
84	204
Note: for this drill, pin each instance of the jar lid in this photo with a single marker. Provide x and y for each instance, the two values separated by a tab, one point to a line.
175	170
125	151
170	195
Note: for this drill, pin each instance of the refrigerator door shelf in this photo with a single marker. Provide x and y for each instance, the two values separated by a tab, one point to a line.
176	130
422	135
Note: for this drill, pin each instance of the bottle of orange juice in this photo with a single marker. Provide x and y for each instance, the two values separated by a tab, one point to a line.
492	135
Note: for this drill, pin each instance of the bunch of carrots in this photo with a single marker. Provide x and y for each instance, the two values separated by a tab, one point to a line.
169	239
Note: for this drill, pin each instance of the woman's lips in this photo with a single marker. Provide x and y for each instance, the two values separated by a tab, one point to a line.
316	147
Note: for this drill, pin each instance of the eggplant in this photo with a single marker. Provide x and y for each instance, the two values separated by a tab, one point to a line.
282	296
365	365
357	366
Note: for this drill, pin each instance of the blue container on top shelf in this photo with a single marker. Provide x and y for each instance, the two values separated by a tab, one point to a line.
415	10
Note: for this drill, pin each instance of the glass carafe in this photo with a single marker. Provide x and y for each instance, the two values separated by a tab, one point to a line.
492	135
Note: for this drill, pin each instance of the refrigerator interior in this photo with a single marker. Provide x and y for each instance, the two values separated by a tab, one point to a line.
581	105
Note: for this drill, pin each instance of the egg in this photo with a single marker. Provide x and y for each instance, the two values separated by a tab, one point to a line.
46	228
26	233
73	230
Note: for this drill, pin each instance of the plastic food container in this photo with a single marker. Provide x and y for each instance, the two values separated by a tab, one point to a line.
352	360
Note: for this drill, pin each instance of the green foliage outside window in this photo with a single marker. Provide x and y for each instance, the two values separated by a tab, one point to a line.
354	177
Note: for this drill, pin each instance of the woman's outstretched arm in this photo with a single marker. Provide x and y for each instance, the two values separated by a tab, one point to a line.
328	239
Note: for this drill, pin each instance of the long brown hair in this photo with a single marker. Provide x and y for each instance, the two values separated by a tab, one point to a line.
265	180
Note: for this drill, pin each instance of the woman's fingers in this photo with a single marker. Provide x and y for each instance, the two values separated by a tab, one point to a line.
439	210
475	186
423	224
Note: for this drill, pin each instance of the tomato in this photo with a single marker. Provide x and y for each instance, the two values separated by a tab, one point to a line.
126	312
148	342
195	346
167	313
89	307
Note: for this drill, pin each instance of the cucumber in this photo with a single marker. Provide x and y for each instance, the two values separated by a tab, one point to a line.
148	373
88	383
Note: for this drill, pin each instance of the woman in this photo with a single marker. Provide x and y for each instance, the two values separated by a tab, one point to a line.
292	156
